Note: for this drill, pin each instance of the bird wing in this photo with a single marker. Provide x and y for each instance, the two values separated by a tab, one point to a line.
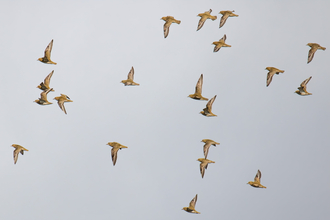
223	38
311	54
217	47
43	95
193	202
199	84
201	22
167	28
47	79
131	74
202	168
270	76
206	148
48	50
303	85
223	19
16	152
61	104
257	177
210	103
114	152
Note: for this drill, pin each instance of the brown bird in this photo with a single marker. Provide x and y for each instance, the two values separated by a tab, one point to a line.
18	149
43	98
256	182
45	85
225	15
314	48
272	71
208	110
220	43
46	58
203	165
191	207
115	147
208	143
302	90
198	90
60	101
204	16
130	78
168	21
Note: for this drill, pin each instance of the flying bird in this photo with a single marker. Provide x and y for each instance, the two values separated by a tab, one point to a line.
302	90
45	85
115	147
204	16
168	21
191	207
208	110
43	97
256	182
208	143
46	58
314	48
18	149
130	78
203	165
198	90
61	99
220	43
225	15
272	71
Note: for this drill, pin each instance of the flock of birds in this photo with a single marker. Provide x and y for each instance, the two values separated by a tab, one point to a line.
207	111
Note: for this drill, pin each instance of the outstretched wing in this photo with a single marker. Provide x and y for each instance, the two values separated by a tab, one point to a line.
131	74
167	28
201	22
114	152
257	177
210	103
303	85
47	79
48	50
193	202
199	85
223	19
206	148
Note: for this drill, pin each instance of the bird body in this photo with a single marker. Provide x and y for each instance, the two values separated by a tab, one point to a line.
204	16
115	147
198	90
208	143
272	71
130	78
60	101
203	165
225	15
168	21
302	89
220	43
256	183
18	149
208	110
191	207
45	85
43	98
46	58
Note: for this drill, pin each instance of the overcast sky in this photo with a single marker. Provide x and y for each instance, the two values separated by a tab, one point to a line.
68	173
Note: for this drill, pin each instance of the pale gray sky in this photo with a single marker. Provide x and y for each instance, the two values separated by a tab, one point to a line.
68	173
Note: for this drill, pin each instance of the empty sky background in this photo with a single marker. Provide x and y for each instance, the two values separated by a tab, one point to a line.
68	173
